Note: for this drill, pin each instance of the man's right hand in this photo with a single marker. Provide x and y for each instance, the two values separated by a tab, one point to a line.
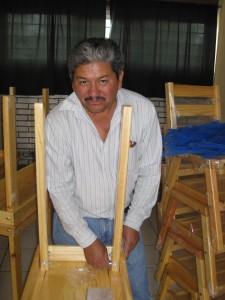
96	255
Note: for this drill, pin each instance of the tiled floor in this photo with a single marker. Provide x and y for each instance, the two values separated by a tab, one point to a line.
29	241
149	232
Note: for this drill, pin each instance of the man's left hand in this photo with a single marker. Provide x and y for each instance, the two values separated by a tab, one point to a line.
130	239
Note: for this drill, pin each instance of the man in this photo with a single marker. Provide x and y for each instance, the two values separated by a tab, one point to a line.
82	151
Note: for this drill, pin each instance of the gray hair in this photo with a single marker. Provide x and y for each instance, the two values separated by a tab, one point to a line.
96	50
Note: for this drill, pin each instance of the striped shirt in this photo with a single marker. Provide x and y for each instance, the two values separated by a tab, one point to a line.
82	169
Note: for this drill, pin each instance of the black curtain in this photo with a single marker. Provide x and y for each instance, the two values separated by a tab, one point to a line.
164	42
36	38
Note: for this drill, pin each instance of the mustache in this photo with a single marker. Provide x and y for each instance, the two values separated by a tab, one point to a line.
90	98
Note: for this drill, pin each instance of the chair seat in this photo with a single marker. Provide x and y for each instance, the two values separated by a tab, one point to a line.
26	204
181	269
192	224
198	183
26	184
70	280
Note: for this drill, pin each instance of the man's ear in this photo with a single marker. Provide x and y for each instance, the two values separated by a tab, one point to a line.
120	80
72	85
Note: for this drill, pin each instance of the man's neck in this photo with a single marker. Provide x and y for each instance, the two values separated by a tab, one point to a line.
102	120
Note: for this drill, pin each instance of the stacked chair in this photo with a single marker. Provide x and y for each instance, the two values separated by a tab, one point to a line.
18	196
192	209
54	266
188	105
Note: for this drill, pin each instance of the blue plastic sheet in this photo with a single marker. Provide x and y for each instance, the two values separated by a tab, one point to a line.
206	140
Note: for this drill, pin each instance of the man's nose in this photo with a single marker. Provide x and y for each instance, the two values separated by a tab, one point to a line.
94	89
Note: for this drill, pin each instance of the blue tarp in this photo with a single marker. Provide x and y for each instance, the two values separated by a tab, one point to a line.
206	140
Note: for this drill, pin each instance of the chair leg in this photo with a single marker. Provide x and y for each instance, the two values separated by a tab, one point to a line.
170	181
202	285
163	288
167	250
167	221
210	258
16	268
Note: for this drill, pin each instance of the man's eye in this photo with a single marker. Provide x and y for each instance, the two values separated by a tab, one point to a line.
103	81
83	82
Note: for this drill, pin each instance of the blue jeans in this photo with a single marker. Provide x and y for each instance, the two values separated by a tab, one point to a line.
103	228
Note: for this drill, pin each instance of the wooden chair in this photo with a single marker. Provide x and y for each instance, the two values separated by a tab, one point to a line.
192	189
183	268
191	104
18	201
178	283
49	274
204	226
182	264
17	195
182	259
188	105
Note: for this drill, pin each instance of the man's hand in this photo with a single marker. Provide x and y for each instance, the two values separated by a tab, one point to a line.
130	239
96	255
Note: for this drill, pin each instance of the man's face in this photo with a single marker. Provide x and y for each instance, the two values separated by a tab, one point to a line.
96	86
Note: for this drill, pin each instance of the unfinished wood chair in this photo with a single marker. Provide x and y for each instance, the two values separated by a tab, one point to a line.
18	205
191	104
182	263
182	260
205	197
183	268
180	279
50	274
188	105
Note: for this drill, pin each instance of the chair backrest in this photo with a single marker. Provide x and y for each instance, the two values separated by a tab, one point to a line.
191	104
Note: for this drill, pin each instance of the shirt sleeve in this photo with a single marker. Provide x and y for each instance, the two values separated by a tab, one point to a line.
149	174
61	182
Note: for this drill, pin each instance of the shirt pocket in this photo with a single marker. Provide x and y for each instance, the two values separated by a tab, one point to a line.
133	159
